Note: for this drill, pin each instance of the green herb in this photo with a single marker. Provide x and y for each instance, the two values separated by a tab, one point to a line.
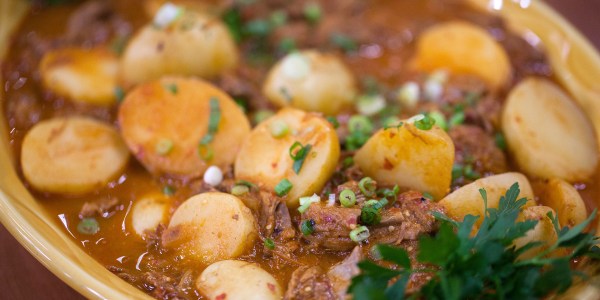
389	193
258	28
307	227
370	213
344	42
246	183
500	140
283	187
287	45
119	94
312	12
168	190
367	186
484	266
239	189
233	19
298	154
278	18
359	234
440	120
347	198
465	171
348	161
242	103
428	196
334	122
269	244
262	115
172	88
213	126
360	128
279	128
163	147
88	226
456	119
425	123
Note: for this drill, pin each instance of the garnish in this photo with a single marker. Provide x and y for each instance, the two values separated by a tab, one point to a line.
283	187
484	266
347	198
279	128
457	118
344	42
370	213
119	94
500	140
425	123
171	87
307	227
367	186
312	12
213	126
359	234
262	115
298	154
439	119
278	18
389	193
287	45
239	189
370	104
163	147
269	244
334	122
360	128
168	190
408	94
88	226
305	202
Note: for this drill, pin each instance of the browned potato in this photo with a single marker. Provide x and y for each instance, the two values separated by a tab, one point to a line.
265	155
548	135
463	48
564	199
311	81
409	157
148	212
73	155
163	122
210	227
543	232
193	44
467	199
88	76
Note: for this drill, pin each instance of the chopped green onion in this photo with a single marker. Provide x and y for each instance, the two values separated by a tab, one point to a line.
163	147
470	173
283	187
370	105
299	155
370	213
371	202
428	196
392	122
258	28
312	12
359	234
305	202
119	94
367	186
239	190
246	183
269	244
334	122
278	18
168	190
307	227
439	119
279	128
88	226
262	115
500	140
172	88
408	94
387	193
358	123
287	45
348	161
425	123
205	152
242	103
347	198
457	119
457	171
344	42
233	19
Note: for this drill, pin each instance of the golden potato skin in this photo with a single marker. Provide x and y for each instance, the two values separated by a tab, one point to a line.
547	134
564	199
154	112
238	280
321	83
467	200
73	155
409	157
80	75
210	227
194	45
543	232
463	48
265	159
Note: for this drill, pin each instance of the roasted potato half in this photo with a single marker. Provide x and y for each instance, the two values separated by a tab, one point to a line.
312	81
547	134
164	122
265	155
210	227
238	280
73	155
543	232
193	44
80	75
463	48
409	157
148	212
564	199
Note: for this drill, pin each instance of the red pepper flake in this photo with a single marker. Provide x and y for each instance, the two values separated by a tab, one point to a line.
271	287
221	297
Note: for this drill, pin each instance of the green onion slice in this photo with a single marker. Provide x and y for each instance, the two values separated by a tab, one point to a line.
367	186
239	190
279	128
307	227
298	153
359	234
213	126
425	123
269	243
163	147
283	187
88	226
347	198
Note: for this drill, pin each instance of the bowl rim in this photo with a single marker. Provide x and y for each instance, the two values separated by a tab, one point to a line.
37	232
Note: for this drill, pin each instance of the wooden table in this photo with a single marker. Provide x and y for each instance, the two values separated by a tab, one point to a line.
22	277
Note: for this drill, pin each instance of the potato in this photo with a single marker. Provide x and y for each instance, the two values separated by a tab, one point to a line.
163	122
73	155
543	232
86	76
564	199
234	279
148	212
265	158
210	227
463	48
548	135
311	81
467	199
409	157
194	44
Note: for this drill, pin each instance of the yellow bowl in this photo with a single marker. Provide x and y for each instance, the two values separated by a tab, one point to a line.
576	63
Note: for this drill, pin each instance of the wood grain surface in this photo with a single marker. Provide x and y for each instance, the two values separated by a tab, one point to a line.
22	277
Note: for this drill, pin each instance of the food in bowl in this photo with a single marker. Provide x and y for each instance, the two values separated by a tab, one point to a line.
263	149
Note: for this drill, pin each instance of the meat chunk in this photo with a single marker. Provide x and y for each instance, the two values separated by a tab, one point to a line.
99	207
408	218
332	226
95	22
341	274
309	283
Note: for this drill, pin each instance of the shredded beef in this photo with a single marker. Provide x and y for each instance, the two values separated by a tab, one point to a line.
341	274
99	207
309	283
94	23
332	226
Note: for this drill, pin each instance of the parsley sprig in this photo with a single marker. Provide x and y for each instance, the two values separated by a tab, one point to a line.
483	266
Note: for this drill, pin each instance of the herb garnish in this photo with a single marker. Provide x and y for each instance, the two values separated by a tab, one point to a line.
213	126
283	187
425	123
484	266
298	153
